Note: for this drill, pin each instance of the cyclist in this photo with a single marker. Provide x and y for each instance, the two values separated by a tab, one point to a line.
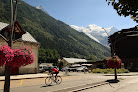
54	71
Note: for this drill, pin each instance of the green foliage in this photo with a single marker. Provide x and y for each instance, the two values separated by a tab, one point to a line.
42	55
60	65
125	7
110	70
91	58
52	33
48	56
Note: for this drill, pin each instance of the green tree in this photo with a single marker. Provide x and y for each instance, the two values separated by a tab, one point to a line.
56	57
42	55
92	57
48	56
60	65
126	7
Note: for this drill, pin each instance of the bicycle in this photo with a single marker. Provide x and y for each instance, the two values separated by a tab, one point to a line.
49	80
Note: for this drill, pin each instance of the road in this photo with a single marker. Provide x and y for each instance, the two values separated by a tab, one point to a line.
77	81
128	84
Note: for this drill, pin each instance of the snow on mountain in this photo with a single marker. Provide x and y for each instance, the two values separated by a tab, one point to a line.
41	8
111	30
97	33
94	29
92	37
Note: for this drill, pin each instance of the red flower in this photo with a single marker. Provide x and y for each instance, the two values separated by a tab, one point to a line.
6	54
17	57
114	62
22	57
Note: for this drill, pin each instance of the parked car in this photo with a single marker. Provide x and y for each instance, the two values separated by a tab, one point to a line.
82	69
44	68
72	68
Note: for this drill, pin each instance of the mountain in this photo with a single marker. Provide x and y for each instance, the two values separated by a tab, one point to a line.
97	33
52	33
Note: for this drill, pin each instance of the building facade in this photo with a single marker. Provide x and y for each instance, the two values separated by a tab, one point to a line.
124	43
26	41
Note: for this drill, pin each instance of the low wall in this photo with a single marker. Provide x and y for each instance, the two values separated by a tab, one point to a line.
27	70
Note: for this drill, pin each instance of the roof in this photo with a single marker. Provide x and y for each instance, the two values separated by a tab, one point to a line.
123	34
46	64
87	64
73	60
28	37
25	37
3	25
75	65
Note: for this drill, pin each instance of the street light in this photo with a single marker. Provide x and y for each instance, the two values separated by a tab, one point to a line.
105	31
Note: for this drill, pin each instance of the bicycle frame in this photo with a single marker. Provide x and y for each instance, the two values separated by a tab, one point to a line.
50	79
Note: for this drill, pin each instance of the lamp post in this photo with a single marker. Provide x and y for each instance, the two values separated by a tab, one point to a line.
113	54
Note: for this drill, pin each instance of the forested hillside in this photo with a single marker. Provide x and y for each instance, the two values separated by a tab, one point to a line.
52	33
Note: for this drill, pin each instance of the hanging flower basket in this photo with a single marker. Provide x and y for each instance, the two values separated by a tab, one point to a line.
6	54
114	62
22	57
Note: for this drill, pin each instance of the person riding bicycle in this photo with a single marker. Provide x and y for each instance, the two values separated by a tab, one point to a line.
55	71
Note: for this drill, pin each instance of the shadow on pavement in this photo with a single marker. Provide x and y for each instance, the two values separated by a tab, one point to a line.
112	81
46	86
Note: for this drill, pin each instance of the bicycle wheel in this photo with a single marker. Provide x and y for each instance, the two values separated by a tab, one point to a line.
59	80
48	81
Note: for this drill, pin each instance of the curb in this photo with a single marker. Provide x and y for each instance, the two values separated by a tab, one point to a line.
72	89
88	87
3	79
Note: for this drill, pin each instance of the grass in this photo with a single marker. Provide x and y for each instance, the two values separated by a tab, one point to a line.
110	71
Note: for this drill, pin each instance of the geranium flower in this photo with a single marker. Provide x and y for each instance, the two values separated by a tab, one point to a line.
114	62
22	57
6	54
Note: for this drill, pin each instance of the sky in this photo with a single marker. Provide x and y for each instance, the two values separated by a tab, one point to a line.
84	12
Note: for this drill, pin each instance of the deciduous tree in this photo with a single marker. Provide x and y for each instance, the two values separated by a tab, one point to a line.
125	8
